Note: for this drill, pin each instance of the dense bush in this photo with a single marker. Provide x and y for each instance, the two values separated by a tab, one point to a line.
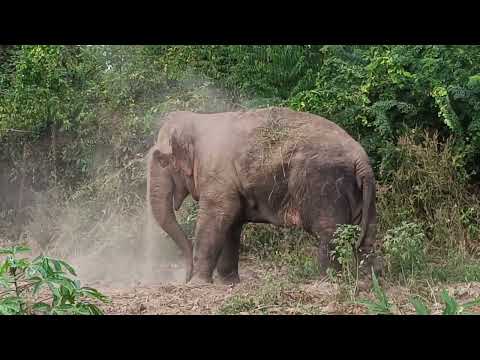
375	92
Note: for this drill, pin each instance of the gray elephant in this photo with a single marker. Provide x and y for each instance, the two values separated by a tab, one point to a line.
272	166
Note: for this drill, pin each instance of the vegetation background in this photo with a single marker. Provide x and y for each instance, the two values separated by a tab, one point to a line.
76	122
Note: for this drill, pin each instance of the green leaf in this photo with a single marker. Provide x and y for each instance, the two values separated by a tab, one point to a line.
21	249
6	251
14	250
22	264
11	305
5	283
4	268
420	307
37	287
93	293
379	293
41	307
70	269
57	265
451	305
375	308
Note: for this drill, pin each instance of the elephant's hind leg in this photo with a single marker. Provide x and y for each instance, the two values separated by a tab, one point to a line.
324	225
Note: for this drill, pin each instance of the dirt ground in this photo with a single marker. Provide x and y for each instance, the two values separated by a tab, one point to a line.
263	290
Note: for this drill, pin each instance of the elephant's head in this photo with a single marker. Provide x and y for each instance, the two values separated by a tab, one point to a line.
170	180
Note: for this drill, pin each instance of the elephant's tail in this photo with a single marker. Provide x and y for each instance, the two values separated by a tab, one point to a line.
366	182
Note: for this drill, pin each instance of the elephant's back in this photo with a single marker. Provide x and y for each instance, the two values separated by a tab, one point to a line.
249	134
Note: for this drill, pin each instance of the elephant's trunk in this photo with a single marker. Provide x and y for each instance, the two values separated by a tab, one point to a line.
160	196
366	182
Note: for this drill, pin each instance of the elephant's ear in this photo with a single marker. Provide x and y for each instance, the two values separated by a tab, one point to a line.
163	159
182	151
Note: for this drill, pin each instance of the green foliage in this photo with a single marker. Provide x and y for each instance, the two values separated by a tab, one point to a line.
22	281
375	92
237	305
81	117
452	267
420	307
452	307
382	306
49	85
302	267
343	241
274	294
286	247
272	73
429	187
404	247
378	92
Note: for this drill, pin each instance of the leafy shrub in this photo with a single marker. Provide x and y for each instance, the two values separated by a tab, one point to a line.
430	187
22	281
379	92
404	248
344	240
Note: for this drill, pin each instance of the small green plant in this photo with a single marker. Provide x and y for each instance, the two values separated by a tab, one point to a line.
302	267
452	306
454	267
404	248
22	282
273	294
344	252
382	305
420	307
238	304
469	218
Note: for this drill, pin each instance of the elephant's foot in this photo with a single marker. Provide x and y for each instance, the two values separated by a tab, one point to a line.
369	262
229	279
201	279
325	262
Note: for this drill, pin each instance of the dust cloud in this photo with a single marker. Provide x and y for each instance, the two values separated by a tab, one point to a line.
107	242
105	247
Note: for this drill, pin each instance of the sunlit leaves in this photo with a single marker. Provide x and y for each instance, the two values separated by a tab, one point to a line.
43	286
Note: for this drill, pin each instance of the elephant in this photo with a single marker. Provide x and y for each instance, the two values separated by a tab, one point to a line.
272	165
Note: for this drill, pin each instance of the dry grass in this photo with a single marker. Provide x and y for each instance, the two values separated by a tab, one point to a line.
429	188
264	290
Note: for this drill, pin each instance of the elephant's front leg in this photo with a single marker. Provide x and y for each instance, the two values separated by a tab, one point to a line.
227	266
216	219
